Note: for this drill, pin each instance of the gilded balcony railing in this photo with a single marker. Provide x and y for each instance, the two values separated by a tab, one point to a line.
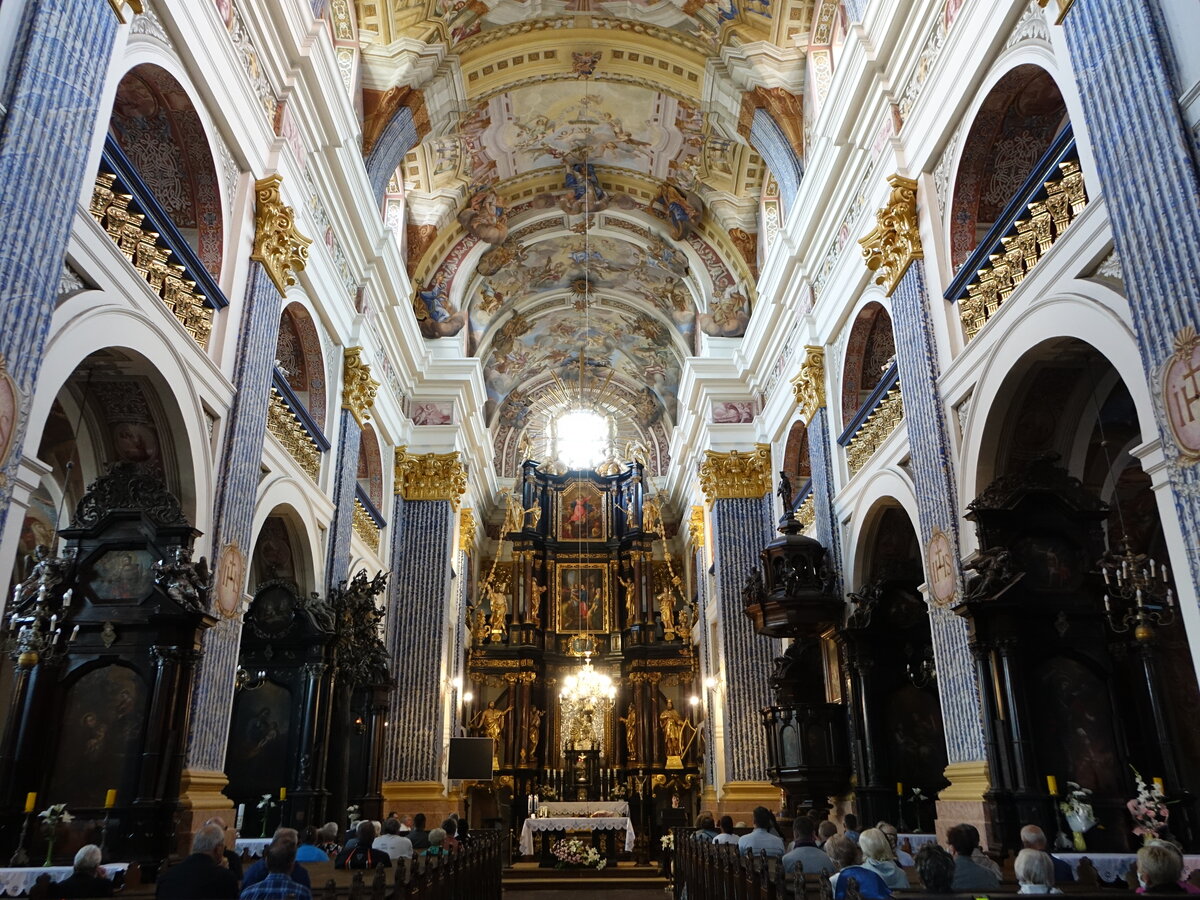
1040	212
874	421
367	520
291	423
127	210
805	513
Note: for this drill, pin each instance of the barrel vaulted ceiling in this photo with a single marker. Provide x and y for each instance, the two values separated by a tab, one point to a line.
584	198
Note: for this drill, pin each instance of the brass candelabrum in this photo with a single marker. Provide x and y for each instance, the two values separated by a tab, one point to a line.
1137	593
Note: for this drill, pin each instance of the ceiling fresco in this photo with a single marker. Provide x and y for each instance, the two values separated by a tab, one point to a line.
585	198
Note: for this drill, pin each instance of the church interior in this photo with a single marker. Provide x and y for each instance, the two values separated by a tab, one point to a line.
574	419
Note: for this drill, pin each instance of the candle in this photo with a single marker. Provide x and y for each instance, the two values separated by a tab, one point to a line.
1106	578
1158	783
30	801
899	788
282	794
241	814
53	621
110	799
75	632
1052	785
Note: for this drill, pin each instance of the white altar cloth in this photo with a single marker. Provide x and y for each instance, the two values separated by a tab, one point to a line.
253	846
584	807
915	841
1113	866
573	823
17	882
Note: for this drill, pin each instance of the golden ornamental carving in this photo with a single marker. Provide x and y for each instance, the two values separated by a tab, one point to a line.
895	240
466	529
430	476
736	474
138	7
282	423
280	248
358	387
809	384
696	526
364	525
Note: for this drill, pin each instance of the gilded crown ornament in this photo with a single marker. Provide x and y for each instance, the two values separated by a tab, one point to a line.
895	240
736	474
696	526
809	384
358	387
430	476
280	248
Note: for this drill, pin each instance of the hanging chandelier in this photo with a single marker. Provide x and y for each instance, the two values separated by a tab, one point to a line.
588	688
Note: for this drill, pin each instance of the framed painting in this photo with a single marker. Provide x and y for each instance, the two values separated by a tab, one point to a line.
581	598
582	513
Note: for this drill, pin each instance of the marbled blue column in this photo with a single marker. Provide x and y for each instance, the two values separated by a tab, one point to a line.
820	460
855	9
937	506
233	512
52	94
707	661
1148	176
740	529
418	596
341	529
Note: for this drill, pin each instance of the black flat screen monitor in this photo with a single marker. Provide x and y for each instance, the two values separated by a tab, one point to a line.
470	759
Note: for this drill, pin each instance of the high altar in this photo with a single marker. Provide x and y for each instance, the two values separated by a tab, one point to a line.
584	589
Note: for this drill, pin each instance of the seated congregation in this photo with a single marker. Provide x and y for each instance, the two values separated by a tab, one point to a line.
822	863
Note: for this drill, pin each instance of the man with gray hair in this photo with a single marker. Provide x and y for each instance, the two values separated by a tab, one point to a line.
259	871
201	876
87	880
1033	838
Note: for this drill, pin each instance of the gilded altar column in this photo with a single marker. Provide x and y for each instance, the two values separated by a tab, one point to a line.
890	250
710	666
51	98
279	251
358	395
420	601
737	486
809	389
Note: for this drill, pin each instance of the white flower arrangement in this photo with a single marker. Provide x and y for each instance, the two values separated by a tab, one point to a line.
56	814
267	801
571	852
668	841
354	814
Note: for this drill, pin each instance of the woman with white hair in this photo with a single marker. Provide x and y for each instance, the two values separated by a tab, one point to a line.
878	857
88	878
1035	872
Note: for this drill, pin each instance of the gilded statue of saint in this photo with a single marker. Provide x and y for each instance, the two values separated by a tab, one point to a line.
490	721
498	602
629	720
673	726
535	601
535	730
479	625
652	522
683	625
631	599
666	608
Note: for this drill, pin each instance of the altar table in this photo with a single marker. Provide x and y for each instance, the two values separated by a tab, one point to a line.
915	841
553	828
1114	866
584	807
17	882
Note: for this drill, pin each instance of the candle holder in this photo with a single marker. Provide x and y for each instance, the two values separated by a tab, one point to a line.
20	856
1137	593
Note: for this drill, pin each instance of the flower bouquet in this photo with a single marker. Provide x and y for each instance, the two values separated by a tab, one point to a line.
1148	809
51	818
354	814
265	804
1078	813
668	841
572	854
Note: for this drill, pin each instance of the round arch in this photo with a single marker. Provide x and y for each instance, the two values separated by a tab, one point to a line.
286	499
370	467
870	348
1092	314
887	487
1014	118
157	122
298	352
86	324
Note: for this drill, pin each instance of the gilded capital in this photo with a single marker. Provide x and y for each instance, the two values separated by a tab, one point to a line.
809	384
895	240
696	526
736	474
466	529
358	387
138	7
430	476
280	248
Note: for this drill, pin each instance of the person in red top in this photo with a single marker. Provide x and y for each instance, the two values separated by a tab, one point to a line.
362	855
450	826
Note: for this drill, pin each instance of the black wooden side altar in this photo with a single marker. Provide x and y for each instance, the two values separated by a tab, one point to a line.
105	639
